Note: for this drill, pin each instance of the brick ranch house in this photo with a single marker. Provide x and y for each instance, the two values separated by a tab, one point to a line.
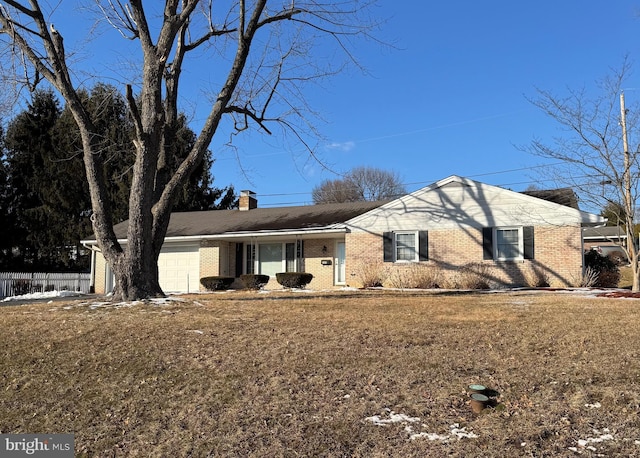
448	224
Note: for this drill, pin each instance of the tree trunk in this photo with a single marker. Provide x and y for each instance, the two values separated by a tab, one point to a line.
153	187
135	277
634	270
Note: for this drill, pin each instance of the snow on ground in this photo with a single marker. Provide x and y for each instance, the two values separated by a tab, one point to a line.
92	305
593	292
586	444
51	295
456	432
158	301
390	417
46	295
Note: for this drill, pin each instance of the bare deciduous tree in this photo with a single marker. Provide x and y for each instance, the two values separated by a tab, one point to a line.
267	47
361	183
593	154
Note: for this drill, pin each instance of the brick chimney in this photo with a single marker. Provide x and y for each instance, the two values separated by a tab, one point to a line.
247	201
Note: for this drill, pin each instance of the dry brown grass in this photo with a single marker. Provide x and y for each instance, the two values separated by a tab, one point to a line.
297	374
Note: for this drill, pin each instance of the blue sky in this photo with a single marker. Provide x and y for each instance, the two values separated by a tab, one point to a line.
451	98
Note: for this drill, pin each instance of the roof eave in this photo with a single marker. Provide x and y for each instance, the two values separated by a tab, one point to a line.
244	234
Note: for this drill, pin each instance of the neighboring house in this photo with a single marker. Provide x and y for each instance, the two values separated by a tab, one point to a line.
448	224
604	236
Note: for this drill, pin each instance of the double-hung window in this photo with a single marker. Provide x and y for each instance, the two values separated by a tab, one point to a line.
508	243
406	246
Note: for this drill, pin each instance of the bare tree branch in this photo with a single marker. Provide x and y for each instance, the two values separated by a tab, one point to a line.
262	88
591	151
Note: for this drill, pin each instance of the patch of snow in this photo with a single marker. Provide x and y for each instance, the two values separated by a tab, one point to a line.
197	331
97	305
391	418
45	295
455	431
461	433
586	443
429	436
160	301
595	405
165	300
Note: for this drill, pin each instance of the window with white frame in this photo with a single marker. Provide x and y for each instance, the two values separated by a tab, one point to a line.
509	243
406	248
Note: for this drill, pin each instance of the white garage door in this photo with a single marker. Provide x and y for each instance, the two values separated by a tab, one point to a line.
179	268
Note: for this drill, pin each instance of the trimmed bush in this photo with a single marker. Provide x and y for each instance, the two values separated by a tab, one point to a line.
254	281
294	279
216	283
608	271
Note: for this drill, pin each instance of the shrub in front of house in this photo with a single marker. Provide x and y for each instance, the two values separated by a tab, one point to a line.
216	283
254	281
415	276
536	279
371	274
294	279
473	275
607	270
589	278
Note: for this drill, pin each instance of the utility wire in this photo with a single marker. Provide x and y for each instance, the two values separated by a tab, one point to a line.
408	185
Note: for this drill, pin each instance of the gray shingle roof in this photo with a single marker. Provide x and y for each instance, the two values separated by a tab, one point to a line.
562	196
215	222
605	232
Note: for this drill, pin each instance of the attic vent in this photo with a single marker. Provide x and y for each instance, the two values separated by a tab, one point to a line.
247	201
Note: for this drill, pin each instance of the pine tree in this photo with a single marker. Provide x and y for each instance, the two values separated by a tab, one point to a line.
28	143
47	187
8	217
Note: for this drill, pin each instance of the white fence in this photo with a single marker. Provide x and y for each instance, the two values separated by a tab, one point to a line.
18	283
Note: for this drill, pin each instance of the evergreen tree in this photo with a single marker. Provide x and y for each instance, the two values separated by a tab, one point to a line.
198	193
28	143
48	190
6	232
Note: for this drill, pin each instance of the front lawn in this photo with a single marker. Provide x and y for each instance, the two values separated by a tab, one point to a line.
357	373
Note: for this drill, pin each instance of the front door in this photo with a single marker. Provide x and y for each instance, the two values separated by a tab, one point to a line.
340	274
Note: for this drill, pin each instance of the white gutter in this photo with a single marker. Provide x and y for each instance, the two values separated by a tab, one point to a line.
236	235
